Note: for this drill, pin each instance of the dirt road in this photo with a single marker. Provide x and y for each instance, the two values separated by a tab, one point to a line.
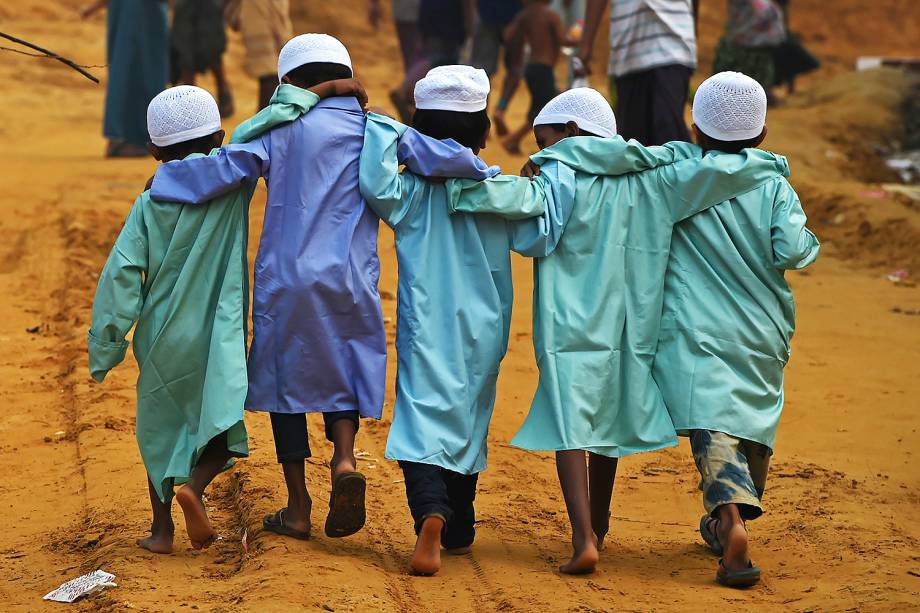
841	530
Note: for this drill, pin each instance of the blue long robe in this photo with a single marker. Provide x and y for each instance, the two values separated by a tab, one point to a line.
599	291
137	40
454	300
729	315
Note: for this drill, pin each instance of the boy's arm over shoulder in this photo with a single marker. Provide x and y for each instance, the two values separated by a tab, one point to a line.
119	294
614	156
694	185
505	195
384	188
538	237
794	245
202	178
444	159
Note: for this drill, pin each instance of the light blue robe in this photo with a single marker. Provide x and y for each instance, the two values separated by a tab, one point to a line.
599	291
729	314
454	299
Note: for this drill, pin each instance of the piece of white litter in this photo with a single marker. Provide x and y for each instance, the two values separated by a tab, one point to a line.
362	454
82	586
398	481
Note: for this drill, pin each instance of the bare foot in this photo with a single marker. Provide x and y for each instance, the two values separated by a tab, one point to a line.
584	561
199	529
501	128
459	551
426	559
161	542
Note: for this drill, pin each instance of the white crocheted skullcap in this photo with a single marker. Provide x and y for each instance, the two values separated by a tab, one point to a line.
730	106
310	48
585	106
453	88
180	114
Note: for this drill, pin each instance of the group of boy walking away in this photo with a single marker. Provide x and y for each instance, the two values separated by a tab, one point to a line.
660	306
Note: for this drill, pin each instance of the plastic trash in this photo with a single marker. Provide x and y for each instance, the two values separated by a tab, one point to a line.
82	586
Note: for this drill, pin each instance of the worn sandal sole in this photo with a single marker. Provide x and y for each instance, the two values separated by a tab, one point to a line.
747	577
346	506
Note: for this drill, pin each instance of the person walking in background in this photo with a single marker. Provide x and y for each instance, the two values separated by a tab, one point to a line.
198	41
652	56
791	58
266	27
753	31
137	50
489	42
405	20
443	26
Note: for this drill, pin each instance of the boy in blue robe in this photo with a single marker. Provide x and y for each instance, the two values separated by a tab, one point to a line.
598	293
727	322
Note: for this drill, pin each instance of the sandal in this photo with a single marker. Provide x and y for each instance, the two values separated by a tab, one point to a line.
275	523
346	505
746	577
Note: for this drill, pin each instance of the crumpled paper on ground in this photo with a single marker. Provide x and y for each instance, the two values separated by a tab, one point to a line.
81	586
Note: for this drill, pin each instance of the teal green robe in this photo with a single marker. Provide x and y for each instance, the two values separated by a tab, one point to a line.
729	314
180	272
598	292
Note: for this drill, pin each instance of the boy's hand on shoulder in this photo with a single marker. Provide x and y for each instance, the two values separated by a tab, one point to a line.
530	170
341	87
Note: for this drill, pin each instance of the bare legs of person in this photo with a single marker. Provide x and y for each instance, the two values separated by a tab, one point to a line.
224	94
189	496
299	504
584	513
512	143
162	528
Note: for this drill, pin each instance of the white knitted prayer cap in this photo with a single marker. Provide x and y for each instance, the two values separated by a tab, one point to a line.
585	106
310	48
180	114
730	106
453	88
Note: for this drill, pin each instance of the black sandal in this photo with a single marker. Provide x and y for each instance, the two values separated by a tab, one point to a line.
275	523
709	536
346	505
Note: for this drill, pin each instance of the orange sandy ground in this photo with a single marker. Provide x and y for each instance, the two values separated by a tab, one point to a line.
841	529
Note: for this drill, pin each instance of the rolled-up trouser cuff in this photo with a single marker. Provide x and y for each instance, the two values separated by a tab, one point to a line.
732	471
290	433
334	416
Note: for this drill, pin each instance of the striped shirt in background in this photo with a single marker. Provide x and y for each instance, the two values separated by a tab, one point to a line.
645	34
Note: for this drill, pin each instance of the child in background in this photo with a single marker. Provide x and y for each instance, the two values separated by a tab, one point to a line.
180	273
318	338
727	321
541	29
454	309
598	291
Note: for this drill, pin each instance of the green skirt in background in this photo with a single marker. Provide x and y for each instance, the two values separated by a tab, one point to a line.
755	62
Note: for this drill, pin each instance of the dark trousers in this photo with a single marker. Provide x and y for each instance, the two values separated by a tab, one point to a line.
432	490
651	103
290	432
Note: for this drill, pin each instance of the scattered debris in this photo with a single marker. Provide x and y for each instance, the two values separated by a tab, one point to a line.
897	276
82	586
34	329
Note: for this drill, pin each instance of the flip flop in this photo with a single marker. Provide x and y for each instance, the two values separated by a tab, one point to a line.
745	577
711	539
346	505
275	523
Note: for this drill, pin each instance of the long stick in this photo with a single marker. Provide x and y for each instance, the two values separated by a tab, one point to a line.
50	54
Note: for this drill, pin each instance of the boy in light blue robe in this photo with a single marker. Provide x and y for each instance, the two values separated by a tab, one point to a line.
598	294
180	274
318	338
727	322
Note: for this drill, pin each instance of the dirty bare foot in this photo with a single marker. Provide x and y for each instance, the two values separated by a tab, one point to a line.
159	541
199	529
584	561
735	539
501	128
426	559
512	145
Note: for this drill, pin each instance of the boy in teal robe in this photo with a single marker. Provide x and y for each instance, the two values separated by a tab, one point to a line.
727	322
180	273
598	295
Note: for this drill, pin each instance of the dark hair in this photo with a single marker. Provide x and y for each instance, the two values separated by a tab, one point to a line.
465	128
728	146
178	151
560	127
314	73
